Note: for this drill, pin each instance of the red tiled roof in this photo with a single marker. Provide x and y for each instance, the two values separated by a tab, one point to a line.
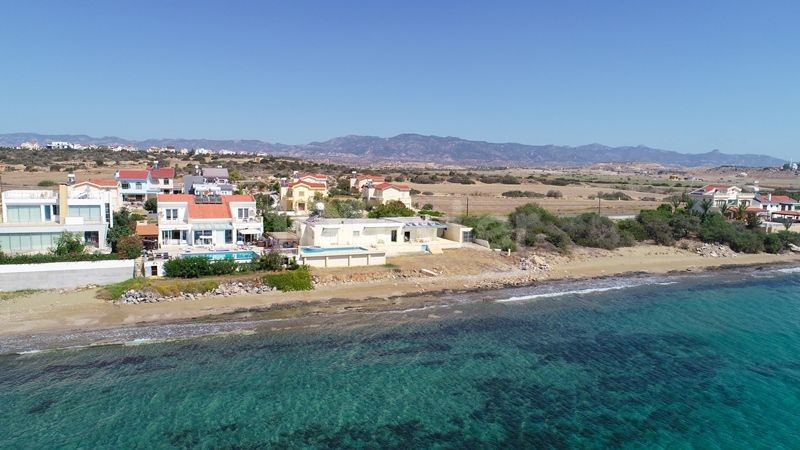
370	177
164	172
786	213
777	199
133	174
309	184
385	186
720	187
318	176
147	229
188	198
99	183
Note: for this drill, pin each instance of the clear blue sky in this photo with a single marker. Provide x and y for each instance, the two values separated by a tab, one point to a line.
675	75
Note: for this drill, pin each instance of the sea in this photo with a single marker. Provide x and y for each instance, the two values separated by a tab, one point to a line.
701	361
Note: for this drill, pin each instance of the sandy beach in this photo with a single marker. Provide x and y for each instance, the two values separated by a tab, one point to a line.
357	288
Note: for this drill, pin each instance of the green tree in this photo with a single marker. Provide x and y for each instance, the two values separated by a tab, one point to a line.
124	225
274	221
68	244
391	209
130	247
151	205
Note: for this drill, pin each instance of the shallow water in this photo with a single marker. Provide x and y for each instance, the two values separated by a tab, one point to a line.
703	362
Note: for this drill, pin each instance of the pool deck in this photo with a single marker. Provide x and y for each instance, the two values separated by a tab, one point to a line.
183	250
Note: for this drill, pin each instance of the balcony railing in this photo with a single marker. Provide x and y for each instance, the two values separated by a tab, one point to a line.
30	195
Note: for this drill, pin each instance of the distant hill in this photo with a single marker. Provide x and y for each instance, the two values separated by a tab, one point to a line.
411	148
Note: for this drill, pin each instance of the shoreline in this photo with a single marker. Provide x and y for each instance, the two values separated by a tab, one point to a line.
56	315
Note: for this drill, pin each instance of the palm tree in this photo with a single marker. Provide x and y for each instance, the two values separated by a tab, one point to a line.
675	201
723	209
741	211
786	225
690	206
705	206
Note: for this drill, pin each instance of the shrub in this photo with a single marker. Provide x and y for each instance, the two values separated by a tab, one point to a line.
593	230
198	266
46	183
268	261
619	195
292	280
68	244
684	226
773	243
554	194
633	228
657	227
276	222
130	247
527	194
491	229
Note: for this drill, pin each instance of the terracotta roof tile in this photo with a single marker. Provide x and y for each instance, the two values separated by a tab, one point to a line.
385	186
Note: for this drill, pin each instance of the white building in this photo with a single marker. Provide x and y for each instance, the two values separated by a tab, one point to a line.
773	203
392	235
59	145
33	220
722	194
215	221
383	193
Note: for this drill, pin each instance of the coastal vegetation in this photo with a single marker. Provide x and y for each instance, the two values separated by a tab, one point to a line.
161	287
293	280
391	209
68	248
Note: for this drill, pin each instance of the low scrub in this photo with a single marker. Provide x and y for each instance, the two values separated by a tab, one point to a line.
170	288
197	267
292	280
618	195
522	194
50	258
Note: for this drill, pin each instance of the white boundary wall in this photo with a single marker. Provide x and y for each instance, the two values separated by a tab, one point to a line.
61	275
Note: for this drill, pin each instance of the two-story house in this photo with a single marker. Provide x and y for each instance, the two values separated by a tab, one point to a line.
383	193
357	182
774	203
140	185
298	194
721	194
218	221
33	220
209	181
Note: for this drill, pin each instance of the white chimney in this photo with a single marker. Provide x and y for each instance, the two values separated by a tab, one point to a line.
769	197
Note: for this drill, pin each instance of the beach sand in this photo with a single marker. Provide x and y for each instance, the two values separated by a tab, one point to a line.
357	288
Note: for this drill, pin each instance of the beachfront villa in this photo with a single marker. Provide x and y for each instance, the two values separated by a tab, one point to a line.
226	221
139	185
298	194
382	193
33	220
350	242
721	194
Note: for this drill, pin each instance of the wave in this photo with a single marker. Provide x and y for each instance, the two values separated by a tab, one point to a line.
585	291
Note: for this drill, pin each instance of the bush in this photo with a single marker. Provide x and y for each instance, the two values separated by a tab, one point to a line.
619	195
268	261
293	280
554	194
198	266
633	228
276	222
50	258
773	243
68	244
46	183
656	226
130	247
593	230
491	229
527	194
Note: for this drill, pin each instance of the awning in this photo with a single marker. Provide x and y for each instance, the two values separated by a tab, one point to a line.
249	231
211	226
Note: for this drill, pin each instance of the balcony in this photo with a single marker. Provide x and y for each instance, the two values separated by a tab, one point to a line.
30	195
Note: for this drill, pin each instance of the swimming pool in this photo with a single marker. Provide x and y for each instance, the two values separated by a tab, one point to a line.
238	256
331	249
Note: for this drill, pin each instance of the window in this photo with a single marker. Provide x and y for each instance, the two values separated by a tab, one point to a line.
356	233
243	213
47	216
125	186
108	213
171	213
138	185
301	193
89	213
55	210
91	238
165	181
229	236
24	213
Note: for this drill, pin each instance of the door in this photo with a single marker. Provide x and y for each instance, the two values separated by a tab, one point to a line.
407	236
394	235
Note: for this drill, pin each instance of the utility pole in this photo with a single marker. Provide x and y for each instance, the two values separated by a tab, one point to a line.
467	204
598	205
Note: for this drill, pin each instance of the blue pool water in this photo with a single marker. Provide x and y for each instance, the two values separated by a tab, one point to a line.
332	249
245	255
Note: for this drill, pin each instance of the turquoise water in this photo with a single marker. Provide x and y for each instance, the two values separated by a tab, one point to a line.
331	249
708	362
246	255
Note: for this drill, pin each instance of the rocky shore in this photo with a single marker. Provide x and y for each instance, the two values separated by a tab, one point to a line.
135	297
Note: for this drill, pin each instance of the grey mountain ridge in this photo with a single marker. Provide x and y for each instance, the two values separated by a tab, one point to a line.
430	149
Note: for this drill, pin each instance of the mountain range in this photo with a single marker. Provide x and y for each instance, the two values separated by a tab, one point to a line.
416	148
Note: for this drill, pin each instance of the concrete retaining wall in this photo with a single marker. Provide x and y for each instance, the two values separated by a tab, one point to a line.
62	275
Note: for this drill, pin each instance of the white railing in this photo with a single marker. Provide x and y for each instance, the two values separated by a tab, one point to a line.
29	195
